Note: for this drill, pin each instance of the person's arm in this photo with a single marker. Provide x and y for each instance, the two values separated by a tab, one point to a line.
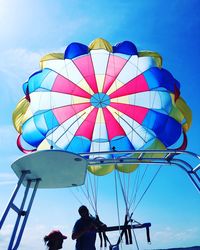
79	231
99	224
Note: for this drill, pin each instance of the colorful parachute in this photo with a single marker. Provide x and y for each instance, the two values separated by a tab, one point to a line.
99	97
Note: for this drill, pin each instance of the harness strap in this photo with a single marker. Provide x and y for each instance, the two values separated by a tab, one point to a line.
148	234
130	236
101	239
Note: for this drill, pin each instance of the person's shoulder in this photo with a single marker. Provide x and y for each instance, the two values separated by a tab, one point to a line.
78	221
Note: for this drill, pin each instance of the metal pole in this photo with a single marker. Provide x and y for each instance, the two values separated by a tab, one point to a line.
26	214
20	214
24	173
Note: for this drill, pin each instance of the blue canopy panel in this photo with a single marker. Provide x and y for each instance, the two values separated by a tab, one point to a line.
36	80
121	143
36	128
31	134
166	128
78	144
75	50
125	47
156	78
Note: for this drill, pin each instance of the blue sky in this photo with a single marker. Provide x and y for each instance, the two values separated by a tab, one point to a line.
31	29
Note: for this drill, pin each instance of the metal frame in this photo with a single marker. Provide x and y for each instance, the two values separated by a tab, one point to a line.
190	165
16	238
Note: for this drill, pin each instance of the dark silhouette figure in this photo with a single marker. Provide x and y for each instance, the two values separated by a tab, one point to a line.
54	240
84	231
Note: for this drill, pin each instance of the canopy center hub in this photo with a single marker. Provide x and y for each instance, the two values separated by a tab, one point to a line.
100	100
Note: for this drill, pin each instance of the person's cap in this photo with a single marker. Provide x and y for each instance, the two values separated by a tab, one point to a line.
55	234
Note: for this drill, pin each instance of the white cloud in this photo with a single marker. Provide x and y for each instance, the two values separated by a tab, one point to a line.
19	62
16	66
8	149
5	234
8	137
169	236
7	179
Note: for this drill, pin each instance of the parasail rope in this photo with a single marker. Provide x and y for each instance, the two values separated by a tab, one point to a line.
86	192
138	183
134	234
75	196
93	187
117	201
123	191
147	188
135	189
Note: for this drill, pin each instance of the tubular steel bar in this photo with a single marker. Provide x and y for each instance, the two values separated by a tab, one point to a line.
20	210
190	165
27	212
10	203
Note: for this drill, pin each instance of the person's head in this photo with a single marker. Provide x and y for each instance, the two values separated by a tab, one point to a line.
83	211
54	240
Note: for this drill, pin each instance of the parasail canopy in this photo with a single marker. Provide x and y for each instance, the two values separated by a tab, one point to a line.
100	98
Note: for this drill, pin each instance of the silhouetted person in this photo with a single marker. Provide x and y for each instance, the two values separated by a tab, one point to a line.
84	231
54	240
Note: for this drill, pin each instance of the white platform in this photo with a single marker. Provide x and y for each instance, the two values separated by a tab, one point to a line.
56	169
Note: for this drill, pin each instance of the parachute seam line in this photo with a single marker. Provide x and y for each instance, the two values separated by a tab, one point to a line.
115	83
130	125
91	58
106	72
117	75
91	145
137	70
68	128
152	104
67	75
69	141
74	104
115	119
106	127
134	101
148	187
72	61
51	105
